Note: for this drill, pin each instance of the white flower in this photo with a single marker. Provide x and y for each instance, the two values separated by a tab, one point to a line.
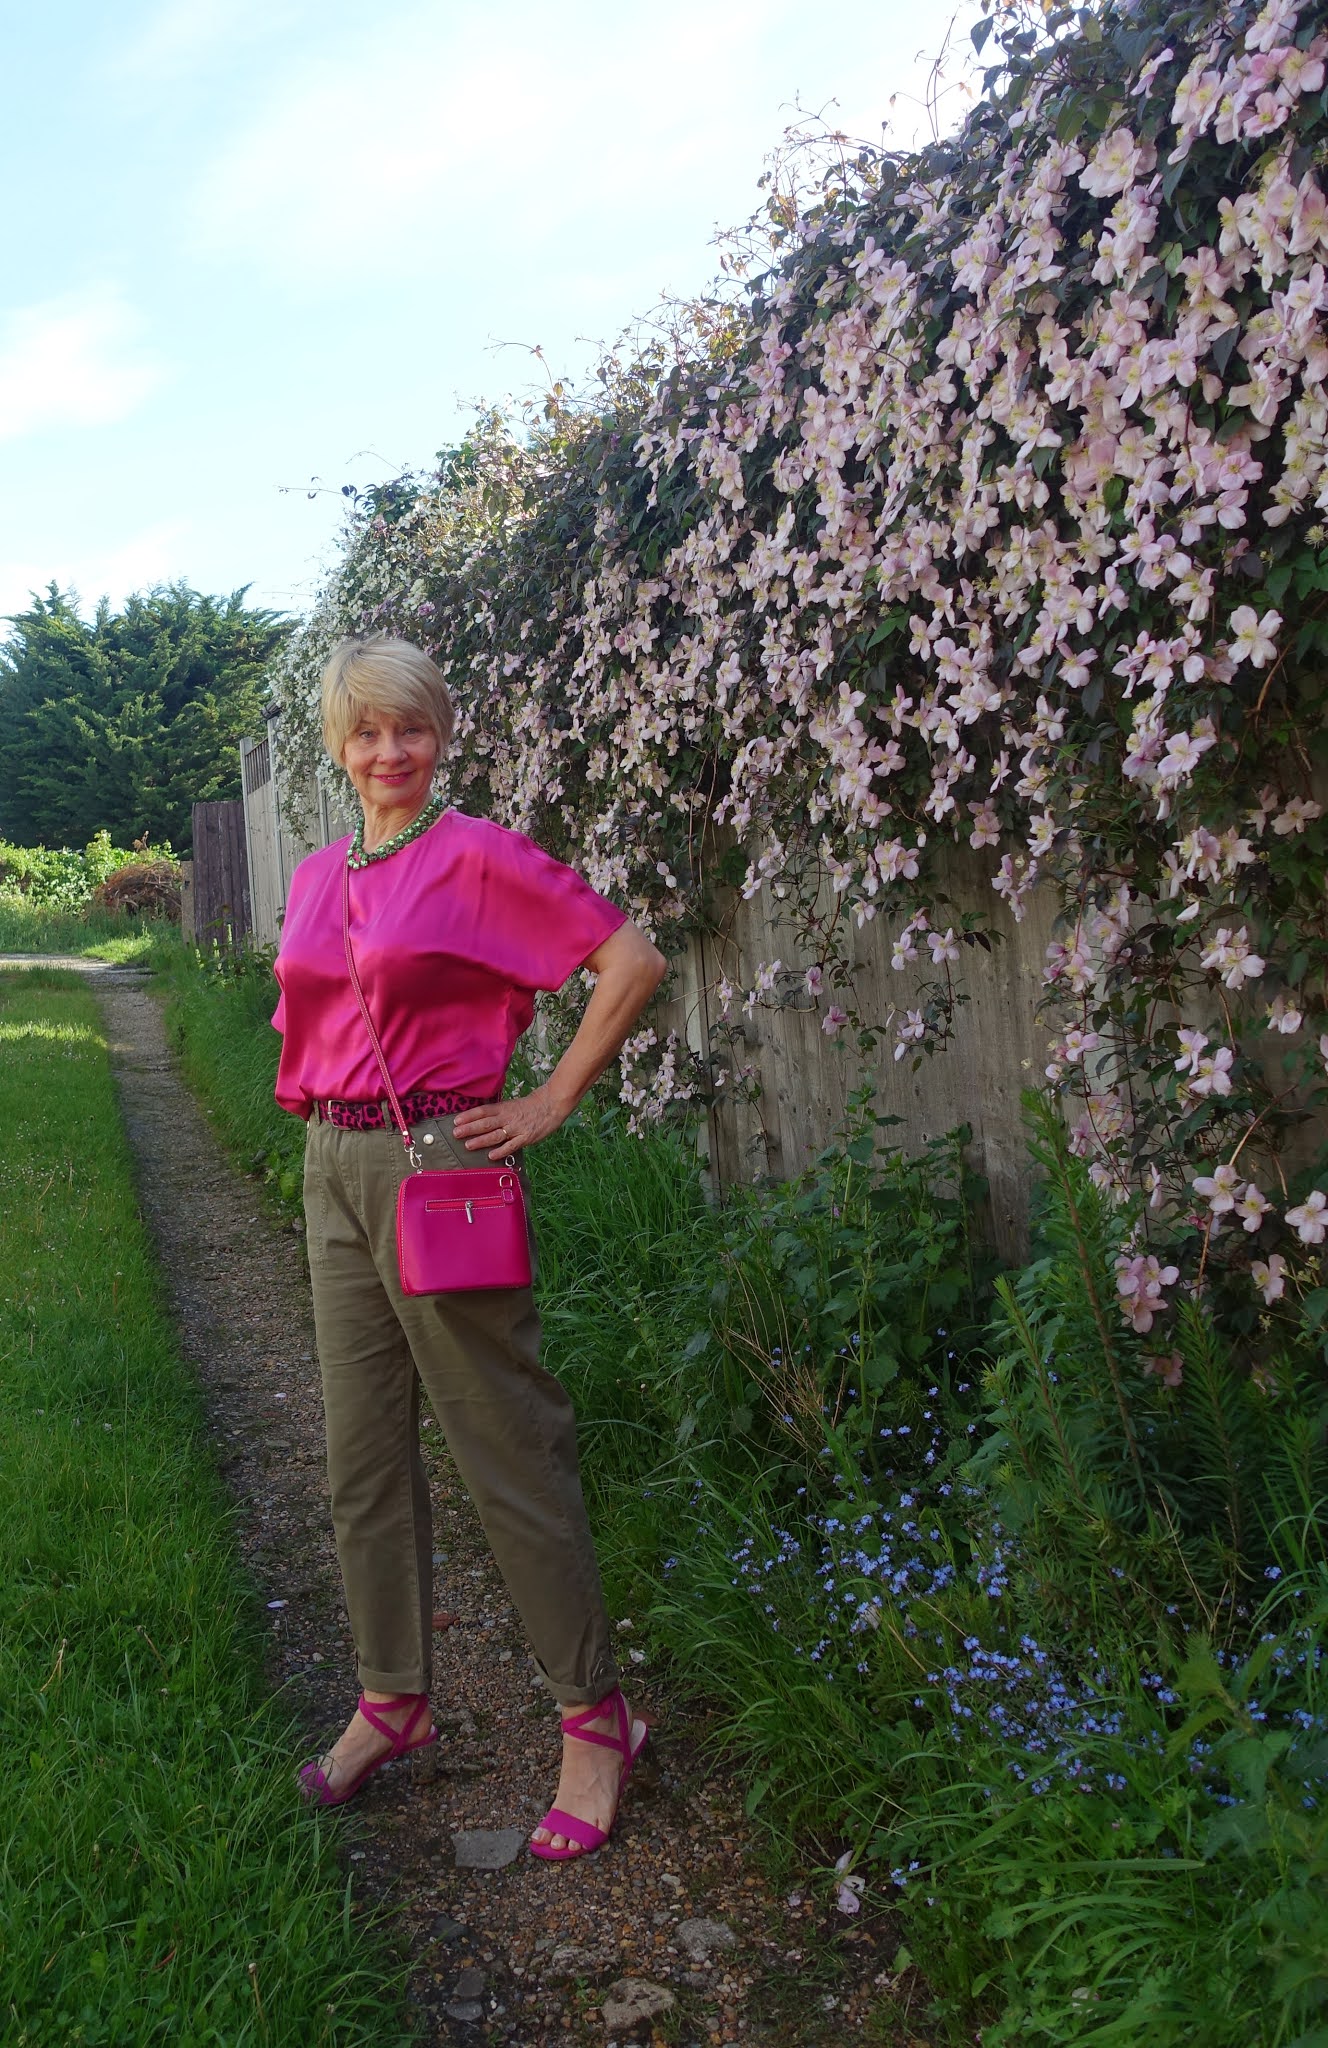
1284	1017
1299	813
1139	1283
911	1032
1309	1219
1270	1276
1230	955
1255	639
943	946
1212	1075
1116	162
1192	1046
1184	752
834	1021
1252	1207
1079	1042
1219	1188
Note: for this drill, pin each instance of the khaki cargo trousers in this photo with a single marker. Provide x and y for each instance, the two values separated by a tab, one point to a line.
508	1424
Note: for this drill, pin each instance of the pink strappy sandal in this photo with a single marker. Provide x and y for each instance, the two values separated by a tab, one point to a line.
313	1780
583	1832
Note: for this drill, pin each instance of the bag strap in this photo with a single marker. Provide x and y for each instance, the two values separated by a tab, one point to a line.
401	1124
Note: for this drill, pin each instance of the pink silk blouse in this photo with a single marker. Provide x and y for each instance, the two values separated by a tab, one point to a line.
453	934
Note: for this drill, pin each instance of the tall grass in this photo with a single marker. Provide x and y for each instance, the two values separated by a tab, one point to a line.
87	933
219	1011
158	1879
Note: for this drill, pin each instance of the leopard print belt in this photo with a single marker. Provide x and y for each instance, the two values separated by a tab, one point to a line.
377	1116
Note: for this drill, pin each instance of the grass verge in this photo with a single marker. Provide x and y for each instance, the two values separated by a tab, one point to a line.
219	1018
158	1881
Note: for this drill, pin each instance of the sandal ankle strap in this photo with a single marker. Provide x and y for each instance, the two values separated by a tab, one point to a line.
575	1724
373	1710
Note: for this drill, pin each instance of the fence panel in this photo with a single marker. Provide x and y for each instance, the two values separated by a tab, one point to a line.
800	1080
267	893
286	819
221	876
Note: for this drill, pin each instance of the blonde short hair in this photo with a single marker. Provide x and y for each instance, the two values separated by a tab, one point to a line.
378	672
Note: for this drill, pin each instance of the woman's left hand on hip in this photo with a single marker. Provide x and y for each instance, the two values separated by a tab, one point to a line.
501	1128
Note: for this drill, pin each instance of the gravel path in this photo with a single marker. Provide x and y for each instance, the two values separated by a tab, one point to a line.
672	1934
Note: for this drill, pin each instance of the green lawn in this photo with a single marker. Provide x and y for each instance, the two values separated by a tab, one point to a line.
158	1880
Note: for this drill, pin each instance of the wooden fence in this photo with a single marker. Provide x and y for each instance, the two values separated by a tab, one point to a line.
801	1079
284	821
219	894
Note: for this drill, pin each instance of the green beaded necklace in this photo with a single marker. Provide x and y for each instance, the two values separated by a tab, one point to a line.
356	856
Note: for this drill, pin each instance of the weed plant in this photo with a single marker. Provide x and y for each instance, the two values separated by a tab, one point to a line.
158	1881
1017	1632
58	878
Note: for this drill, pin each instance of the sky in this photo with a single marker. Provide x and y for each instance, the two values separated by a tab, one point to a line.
257	249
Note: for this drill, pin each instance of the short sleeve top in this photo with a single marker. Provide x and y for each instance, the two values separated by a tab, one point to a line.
452	935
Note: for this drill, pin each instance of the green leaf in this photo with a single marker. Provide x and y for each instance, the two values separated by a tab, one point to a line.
1316	1307
756	1792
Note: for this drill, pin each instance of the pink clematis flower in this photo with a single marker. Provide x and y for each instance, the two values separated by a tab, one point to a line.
1269	1276
1252	1207
1218	1189
1309	1219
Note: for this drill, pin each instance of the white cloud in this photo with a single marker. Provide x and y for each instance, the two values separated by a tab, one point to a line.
148	557
72	361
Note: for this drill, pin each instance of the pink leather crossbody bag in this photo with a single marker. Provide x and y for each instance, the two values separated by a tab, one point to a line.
459	1229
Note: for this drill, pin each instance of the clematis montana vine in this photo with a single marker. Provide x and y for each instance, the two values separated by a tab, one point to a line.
982	515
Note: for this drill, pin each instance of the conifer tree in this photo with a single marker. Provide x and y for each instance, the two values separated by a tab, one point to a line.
126	721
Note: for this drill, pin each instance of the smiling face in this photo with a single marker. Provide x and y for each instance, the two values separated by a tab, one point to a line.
391	761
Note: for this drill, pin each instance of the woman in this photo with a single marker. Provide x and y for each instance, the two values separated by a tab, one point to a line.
455	923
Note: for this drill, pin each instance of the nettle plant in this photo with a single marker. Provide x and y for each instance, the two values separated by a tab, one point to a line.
986	507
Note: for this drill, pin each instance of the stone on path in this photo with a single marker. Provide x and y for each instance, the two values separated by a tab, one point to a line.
487	1848
467	2001
633	1999
571	1960
699	1939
